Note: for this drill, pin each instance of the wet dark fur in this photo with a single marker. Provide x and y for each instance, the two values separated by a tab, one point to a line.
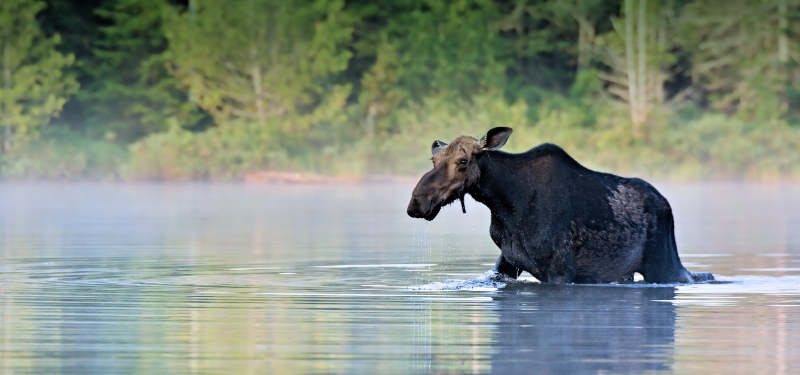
554	218
564	223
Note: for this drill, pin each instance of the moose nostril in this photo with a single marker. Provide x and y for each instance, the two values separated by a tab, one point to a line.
413	208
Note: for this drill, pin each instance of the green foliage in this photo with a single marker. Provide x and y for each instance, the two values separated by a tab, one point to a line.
255	60
62	154
220	153
711	146
218	90
430	48
131	93
743	52
32	81
444	48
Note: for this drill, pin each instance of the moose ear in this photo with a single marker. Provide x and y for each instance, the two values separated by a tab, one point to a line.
495	138
437	146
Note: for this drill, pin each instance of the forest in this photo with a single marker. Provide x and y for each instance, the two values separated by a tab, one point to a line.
218	90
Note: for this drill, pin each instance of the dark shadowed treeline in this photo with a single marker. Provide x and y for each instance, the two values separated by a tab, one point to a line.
207	89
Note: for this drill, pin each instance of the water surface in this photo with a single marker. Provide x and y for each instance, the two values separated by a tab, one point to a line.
241	279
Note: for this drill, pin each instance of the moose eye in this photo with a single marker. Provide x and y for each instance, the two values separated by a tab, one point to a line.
462	162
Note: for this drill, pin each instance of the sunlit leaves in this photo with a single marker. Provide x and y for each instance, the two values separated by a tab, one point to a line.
33	86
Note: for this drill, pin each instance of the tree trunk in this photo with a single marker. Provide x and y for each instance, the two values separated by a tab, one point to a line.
192	97
783	39
7	93
369	123
256	32
631	61
641	29
585	41
660	77
259	93
783	48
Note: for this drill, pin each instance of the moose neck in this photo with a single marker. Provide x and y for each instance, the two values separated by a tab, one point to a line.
497	185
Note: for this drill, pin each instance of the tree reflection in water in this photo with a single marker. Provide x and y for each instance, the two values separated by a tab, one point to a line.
576	329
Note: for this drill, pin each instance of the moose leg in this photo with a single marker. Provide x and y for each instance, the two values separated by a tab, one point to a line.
562	268
661	263
626	279
702	276
504	267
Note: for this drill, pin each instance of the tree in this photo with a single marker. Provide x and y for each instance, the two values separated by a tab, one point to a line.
539	50
579	16
743	52
638	55
34	86
131	93
552	45
264	62
432	48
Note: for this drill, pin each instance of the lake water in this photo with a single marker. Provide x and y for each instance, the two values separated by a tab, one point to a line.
255	279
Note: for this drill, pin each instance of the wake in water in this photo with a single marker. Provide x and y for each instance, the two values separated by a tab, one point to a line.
489	280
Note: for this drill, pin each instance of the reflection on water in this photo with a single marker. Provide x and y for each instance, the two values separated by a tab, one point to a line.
584	330
201	279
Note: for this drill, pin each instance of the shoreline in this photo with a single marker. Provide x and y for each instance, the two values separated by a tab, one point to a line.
268	177
303	178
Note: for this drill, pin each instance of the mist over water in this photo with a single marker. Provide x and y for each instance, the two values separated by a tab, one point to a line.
216	278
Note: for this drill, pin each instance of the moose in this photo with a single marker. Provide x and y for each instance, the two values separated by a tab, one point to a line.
554	218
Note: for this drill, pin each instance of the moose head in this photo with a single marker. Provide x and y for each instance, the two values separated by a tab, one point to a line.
455	171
